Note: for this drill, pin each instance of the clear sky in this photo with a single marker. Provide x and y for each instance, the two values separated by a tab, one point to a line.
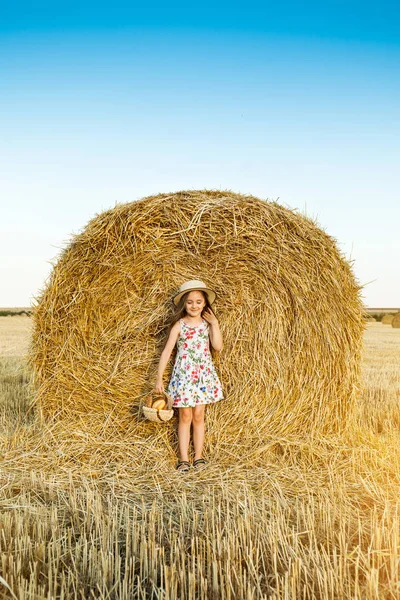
107	102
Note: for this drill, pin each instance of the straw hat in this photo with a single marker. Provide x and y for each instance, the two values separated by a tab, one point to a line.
190	286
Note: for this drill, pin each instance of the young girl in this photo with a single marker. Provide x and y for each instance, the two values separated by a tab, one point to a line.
194	381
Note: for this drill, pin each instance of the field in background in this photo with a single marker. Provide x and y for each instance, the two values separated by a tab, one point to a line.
314	518
12	311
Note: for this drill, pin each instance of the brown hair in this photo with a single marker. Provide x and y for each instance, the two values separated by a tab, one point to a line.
180	311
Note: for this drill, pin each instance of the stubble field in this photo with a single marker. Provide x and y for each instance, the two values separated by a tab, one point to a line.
313	518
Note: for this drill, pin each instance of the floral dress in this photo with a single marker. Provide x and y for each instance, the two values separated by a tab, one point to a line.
194	379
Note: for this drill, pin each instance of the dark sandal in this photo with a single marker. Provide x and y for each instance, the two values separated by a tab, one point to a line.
200	463
183	466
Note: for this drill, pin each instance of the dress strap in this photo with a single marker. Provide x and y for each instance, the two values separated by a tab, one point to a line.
203	322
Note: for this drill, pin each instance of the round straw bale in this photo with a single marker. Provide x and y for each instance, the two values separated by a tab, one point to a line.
396	320
287	302
387	319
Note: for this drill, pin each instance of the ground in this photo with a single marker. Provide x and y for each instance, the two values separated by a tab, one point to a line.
312	519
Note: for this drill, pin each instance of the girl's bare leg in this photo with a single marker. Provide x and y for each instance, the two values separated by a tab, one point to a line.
185	421
198	430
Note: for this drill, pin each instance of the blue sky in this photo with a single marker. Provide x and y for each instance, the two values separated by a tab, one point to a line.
100	105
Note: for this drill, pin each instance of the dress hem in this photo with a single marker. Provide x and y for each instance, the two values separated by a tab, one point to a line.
198	404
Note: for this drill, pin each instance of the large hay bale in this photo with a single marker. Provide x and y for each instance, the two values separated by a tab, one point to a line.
288	306
387	319
396	320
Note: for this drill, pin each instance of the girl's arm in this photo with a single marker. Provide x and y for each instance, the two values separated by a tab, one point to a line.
165	356
215	332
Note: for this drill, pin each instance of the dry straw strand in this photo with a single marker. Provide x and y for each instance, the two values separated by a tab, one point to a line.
287	302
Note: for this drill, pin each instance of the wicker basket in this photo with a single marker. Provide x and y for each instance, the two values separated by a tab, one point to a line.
158	416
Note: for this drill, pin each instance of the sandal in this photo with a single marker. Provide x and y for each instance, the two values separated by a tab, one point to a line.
183	466
200	463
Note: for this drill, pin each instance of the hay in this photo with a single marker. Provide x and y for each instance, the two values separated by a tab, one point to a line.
387	319
396	321
288	306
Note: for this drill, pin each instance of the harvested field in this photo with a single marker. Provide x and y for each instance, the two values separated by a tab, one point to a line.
316	518
14	336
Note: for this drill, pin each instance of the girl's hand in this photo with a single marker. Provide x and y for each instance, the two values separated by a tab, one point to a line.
159	387
210	317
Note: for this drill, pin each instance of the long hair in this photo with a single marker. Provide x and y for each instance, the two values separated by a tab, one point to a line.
180	311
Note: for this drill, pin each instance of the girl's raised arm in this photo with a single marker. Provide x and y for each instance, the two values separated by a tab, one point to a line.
214	330
165	356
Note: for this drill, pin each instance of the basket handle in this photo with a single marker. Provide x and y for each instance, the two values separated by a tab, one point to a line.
166	396
170	400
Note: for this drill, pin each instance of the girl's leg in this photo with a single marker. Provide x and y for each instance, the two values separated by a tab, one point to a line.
185	421
198	430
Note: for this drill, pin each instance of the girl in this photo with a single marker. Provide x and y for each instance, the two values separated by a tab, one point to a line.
194	381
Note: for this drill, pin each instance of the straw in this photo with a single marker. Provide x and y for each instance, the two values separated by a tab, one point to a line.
288	305
387	319
396	320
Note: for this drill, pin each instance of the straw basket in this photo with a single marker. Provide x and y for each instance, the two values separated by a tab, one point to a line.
158	415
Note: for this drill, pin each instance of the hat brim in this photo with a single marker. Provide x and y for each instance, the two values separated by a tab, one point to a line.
211	295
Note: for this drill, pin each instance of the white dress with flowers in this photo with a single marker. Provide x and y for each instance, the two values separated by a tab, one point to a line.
194	379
